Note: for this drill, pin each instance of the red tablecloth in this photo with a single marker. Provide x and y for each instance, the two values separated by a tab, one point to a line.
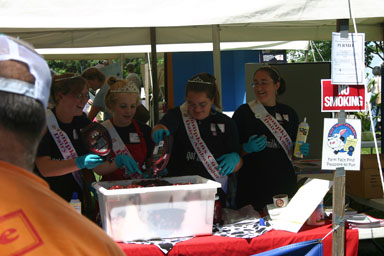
220	246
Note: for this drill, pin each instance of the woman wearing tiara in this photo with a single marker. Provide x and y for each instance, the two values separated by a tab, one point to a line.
267	130
205	141
131	139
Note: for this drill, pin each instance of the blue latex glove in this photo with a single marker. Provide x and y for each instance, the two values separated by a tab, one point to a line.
89	161
127	162
158	135
304	149
227	163
255	144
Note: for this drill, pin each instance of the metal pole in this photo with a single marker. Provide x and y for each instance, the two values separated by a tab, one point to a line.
382	108
154	76
217	60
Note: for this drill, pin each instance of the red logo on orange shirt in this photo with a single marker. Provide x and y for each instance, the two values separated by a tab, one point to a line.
17	234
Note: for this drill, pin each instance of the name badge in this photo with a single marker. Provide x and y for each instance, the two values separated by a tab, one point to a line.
221	127
134	138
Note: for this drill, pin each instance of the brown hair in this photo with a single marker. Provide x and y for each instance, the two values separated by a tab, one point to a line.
275	76
118	86
65	84
93	73
204	82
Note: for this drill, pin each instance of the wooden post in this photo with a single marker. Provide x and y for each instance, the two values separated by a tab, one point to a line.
338	204
338	200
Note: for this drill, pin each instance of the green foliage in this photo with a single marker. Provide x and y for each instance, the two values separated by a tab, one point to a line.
78	66
322	51
71	66
364	116
373	48
137	63
319	51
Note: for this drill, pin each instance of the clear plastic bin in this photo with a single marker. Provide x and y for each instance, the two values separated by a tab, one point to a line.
157	212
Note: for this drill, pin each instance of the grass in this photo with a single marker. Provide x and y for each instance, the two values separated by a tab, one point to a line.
366	151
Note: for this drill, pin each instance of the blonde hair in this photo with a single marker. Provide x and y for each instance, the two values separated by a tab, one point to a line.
119	86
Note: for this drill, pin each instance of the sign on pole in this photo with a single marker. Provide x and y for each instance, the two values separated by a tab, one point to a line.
348	59
334	98
341	144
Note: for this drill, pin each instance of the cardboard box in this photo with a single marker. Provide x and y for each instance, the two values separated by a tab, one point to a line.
157	212
365	183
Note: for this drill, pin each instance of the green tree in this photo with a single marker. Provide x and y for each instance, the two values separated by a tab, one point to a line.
72	66
322	51
373	48
318	51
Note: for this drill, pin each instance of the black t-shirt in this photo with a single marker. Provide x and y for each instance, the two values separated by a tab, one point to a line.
218	132
64	185
268	172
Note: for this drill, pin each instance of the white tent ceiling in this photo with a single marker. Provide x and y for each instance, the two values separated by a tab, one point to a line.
95	23
139	51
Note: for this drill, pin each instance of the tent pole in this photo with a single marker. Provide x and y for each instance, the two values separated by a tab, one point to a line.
217	60
154	76
122	65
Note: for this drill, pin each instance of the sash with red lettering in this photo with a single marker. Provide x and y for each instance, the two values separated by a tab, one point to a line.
273	126
63	143
201	148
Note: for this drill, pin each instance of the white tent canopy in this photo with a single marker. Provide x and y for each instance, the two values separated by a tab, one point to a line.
95	23
139	51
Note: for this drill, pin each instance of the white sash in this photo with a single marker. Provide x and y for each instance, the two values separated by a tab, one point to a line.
118	145
201	148
273	126
63	143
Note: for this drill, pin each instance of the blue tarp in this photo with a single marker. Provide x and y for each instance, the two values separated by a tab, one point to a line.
306	248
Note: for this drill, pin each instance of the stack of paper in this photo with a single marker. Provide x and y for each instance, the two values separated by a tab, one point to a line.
361	220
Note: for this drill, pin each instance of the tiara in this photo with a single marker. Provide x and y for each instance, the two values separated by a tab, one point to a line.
129	87
198	80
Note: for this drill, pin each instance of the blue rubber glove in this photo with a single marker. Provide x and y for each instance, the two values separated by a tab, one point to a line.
227	163
304	149
255	144
89	161
127	162
158	135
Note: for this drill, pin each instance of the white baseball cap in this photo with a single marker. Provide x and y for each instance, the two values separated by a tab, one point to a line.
11	49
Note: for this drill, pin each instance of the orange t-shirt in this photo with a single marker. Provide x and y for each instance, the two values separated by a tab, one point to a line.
36	221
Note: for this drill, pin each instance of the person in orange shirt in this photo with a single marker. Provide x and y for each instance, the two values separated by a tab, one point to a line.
33	219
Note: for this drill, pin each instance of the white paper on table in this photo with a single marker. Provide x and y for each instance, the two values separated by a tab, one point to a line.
302	205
